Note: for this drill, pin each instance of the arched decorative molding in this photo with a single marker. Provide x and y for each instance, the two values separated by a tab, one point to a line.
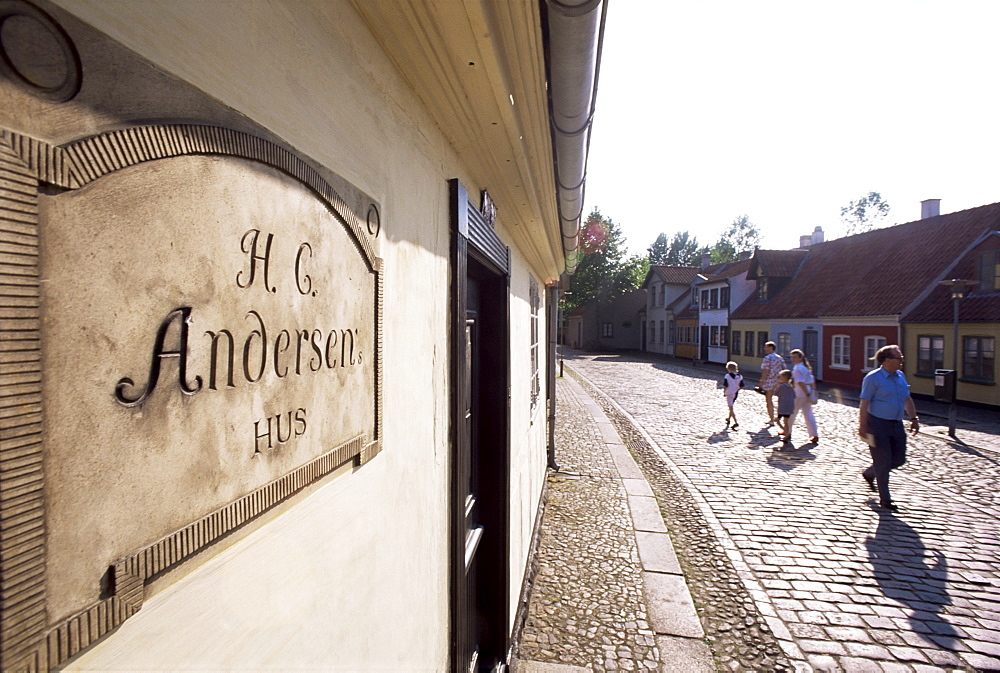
27	641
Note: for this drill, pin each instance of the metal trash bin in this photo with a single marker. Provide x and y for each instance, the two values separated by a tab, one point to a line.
944	385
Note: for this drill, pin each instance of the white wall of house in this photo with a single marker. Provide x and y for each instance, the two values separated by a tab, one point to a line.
351	574
660	296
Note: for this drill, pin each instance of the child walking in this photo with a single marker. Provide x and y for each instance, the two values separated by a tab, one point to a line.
786	404
731	384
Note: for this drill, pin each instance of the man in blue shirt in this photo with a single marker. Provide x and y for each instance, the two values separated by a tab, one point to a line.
885	400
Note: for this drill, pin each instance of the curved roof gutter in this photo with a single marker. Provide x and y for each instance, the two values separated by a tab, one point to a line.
575	37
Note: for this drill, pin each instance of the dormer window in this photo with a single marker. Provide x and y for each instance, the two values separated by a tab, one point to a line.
989	271
762	289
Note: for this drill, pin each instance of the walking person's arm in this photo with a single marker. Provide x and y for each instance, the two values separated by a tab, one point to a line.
911	411
863	420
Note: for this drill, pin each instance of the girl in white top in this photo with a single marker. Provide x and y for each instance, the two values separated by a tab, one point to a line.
731	384
805	382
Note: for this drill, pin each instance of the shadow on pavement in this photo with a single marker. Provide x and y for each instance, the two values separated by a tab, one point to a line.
717	437
789	458
962	447
762	439
912	575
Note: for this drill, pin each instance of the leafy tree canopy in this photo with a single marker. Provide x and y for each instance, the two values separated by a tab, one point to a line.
604	274
741	236
681	250
867	213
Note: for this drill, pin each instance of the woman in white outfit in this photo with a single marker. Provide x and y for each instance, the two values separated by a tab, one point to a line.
804	383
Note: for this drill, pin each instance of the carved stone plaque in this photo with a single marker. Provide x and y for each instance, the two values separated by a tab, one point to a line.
206	311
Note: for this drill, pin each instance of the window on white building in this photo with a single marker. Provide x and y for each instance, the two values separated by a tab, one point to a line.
607	329
784	344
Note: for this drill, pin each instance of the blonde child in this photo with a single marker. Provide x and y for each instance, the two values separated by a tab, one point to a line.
731	384
786	403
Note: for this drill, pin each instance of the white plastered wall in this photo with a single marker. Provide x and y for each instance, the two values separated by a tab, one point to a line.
354	576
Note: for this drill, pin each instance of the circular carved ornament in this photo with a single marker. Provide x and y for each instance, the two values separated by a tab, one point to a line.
374	222
37	54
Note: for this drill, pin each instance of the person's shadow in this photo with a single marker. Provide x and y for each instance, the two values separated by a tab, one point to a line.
913	575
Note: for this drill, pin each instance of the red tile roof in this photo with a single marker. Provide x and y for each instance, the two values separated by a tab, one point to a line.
718	272
681	275
977	306
777	263
877	273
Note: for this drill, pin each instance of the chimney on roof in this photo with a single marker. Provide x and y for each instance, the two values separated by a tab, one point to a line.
817	235
706	261
930	208
805	241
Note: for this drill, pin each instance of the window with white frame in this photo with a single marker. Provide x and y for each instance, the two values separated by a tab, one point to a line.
930	353
978	359
748	349
671	332
784	344
737	346
840	349
872	344
714	336
989	271
607	330
724	335
661	332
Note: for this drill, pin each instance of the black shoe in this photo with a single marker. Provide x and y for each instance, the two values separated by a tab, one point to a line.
871	482
888	506
735	425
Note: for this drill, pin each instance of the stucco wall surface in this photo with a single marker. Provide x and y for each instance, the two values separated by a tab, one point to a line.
354	576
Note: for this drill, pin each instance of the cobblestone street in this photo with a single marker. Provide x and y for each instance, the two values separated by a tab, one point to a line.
839	584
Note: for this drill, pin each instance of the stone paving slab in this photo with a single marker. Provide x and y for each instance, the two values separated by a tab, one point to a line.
687	655
656	551
541	667
671	610
637	487
646	514
627	469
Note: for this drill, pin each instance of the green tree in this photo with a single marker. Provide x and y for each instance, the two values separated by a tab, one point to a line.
681	250
659	252
741	236
605	273
867	213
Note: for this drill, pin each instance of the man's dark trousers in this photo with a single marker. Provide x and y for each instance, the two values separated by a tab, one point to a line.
888	453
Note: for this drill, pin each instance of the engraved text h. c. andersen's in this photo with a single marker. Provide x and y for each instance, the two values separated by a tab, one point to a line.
267	352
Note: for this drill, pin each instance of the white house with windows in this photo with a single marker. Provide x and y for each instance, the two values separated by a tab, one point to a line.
723	288
664	285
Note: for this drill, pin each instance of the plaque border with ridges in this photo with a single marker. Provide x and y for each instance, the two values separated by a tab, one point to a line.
27	641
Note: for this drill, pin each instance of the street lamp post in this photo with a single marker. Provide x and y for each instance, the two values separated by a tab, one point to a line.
958	289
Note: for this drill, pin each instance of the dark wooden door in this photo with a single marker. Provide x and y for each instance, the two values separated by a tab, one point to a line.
480	489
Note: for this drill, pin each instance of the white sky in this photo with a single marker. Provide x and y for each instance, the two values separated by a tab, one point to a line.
787	111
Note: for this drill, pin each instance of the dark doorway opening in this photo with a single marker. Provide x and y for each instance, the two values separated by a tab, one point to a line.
480	419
